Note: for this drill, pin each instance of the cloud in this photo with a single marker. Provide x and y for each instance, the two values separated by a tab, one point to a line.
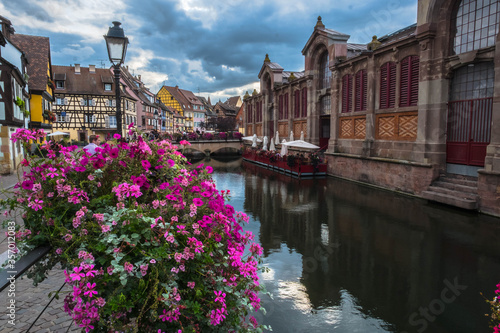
211	46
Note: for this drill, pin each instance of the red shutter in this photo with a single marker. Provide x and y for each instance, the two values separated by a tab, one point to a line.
392	85
404	85
286	106
280	107
347	93
383	86
304	102
414	73
360	91
297	104
387	85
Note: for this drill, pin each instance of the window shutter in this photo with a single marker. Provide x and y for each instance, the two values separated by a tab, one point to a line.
404	85
286	106
347	93
361	91
82	102
304	102
387	85
414	72
65	101
106	120
297	104
392	85
280	107
113	103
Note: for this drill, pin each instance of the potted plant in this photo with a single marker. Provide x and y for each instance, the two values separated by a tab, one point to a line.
146	245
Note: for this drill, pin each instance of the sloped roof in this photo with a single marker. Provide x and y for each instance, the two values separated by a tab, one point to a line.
233	100
190	97
398	34
83	83
37	50
175	91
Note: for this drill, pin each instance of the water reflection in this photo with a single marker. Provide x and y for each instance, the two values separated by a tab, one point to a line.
347	258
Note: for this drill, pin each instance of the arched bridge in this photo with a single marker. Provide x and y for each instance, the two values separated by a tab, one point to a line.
209	147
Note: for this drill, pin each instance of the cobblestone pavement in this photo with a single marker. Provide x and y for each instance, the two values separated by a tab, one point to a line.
31	301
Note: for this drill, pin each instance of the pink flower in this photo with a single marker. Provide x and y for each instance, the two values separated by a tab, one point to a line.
105	228
128	267
191	285
184	142
198	202
117	136
209	169
114	152
160	151
170	163
146	165
27	184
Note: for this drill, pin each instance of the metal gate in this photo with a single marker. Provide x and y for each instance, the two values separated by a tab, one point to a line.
469	131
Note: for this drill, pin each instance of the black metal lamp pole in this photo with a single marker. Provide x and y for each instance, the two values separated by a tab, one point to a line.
117	72
116	43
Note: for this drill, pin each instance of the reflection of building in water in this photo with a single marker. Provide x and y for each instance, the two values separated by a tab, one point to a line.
393	254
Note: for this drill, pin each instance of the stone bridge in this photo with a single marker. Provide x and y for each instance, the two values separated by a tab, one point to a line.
209	147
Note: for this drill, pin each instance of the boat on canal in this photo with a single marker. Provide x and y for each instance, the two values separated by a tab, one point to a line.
298	164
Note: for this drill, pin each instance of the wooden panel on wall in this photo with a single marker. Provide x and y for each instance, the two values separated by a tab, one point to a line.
249	130
299	126
352	127
258	129
397	126
283	129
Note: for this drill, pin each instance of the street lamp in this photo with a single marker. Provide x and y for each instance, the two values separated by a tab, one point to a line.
156	120
116	43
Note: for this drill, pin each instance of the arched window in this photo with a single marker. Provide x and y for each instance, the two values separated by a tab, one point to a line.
476	25
324	71
472	82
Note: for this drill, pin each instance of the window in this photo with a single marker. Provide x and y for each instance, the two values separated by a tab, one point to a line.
296	113
61	101
387	85
360	91
304	102
111	102
471	82
107	86
408	95
476	24
347	93
87	102
324	71
59	84
280	107
62	117
249	113
112	121
325	104
90	118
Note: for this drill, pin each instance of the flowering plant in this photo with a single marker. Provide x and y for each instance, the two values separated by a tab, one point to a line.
193	136
495	310
147	245
237	135
208	136
222	135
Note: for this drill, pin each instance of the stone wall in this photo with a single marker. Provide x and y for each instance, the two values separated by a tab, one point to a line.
410	178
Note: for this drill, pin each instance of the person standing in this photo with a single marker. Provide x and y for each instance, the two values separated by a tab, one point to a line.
94	142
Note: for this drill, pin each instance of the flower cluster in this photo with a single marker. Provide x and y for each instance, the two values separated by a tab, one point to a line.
146	244
495	310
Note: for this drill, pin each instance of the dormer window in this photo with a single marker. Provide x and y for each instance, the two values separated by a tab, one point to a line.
60	80
107	87
59	84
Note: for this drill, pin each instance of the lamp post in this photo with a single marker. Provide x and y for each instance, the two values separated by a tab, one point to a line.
156	120
116	43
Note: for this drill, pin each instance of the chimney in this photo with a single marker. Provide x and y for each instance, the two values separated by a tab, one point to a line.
92	69
139	77
77	68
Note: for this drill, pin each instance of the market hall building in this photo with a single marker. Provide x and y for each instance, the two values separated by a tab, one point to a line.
416	111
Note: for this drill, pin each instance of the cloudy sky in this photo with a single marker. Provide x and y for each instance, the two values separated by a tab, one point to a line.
214	48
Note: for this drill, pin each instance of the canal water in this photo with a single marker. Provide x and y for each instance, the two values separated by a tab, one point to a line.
343	257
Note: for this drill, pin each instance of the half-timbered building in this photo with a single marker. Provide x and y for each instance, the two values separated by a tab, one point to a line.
14	99
415	111
85	102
